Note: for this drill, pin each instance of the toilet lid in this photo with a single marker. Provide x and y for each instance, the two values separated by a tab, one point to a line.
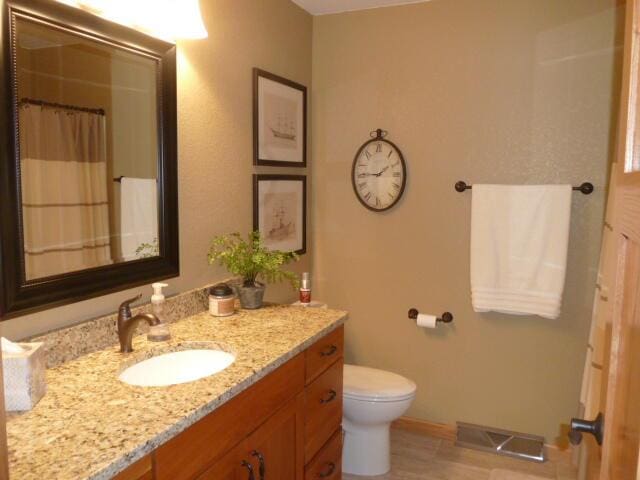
363	383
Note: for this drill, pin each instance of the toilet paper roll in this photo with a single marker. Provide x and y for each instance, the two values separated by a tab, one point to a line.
426	321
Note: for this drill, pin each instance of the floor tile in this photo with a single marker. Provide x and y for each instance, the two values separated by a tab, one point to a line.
501	474
449	452
415	456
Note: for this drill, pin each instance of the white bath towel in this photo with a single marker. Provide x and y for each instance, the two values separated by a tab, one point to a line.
138	217
519	240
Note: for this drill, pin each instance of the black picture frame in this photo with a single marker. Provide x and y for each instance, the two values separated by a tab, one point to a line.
17	295
257	178
259	74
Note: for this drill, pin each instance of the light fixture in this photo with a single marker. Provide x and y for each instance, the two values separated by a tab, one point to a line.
184	19
167	19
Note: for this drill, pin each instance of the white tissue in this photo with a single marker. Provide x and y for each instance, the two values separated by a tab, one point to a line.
426	321
10	347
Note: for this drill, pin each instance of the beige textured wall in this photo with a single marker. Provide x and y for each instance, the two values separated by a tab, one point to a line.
214	141
492	91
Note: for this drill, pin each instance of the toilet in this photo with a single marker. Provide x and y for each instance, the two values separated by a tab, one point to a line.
372	400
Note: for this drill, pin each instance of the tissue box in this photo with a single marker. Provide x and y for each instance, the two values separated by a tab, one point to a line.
24	377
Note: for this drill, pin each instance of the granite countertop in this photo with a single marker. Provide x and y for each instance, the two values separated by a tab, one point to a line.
90	425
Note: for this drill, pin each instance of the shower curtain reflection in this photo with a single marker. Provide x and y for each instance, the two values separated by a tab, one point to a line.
65	206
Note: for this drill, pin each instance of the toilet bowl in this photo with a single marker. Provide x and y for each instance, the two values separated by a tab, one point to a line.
372	399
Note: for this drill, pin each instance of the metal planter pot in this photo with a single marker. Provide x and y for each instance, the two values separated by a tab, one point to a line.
250	297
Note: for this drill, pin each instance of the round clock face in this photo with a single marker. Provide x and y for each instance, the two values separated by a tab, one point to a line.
379	174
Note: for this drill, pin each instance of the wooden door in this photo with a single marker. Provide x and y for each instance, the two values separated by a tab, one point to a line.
276	448
617	458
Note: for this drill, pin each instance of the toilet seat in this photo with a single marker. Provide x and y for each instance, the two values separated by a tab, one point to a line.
373	385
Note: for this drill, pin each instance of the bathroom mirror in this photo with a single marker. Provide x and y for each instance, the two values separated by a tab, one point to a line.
90	203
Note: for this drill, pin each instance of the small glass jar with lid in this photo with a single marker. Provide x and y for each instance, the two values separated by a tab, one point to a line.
221	300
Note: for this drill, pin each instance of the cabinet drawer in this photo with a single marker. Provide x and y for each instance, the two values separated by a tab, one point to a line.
327	464
320	355
192	451
323	409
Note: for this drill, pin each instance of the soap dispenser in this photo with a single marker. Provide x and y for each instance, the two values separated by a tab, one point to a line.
159	332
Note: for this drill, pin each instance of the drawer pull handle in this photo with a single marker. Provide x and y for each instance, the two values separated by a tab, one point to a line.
249	467
329	351
329	471
329	398
260	458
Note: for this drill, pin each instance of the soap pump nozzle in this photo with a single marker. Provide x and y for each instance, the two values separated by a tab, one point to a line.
158	295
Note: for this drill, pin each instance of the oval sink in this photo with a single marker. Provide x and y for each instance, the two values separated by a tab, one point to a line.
176	367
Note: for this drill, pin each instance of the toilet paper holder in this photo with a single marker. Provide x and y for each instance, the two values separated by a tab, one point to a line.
446	317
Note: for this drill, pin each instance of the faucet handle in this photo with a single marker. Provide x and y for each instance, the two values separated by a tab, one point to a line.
125	309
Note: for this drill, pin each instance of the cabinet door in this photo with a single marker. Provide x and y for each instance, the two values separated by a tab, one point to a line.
231	466
276	448
141	470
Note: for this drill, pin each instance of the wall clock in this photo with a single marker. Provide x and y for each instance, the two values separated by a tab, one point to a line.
379	173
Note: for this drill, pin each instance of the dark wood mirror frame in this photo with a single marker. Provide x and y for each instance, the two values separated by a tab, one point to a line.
17	295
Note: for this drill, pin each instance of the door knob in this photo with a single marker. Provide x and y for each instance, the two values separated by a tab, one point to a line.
580	426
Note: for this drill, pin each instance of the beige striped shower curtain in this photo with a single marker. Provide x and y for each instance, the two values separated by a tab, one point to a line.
65	206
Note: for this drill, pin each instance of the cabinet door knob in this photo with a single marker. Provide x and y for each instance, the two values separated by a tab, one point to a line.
249	467
580	426
327	352
260	458
329	398
331	467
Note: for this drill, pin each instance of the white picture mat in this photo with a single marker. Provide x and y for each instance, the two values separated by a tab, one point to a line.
267	149
273	197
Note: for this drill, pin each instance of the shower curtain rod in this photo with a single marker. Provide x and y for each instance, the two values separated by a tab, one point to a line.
43	103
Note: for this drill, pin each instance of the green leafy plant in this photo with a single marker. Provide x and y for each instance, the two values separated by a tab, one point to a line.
147	250
250	259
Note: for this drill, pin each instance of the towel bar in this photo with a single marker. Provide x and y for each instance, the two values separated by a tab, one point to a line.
586	188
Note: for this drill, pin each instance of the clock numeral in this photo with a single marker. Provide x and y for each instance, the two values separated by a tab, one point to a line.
396	186
366	152
390	153
390	195
362	185
367	196
378	147
396	174
395	164
378	201
362	175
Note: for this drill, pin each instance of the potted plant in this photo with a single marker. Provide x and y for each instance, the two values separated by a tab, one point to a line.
250	259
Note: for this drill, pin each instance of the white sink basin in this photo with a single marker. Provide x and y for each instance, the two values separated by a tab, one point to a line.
177	367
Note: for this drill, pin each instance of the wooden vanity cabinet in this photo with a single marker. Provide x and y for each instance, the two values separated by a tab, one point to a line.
287	426
272	451
141	470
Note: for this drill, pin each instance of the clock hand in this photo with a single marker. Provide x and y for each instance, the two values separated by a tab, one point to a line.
382	171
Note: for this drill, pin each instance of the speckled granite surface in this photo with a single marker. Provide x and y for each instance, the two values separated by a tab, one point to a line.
92	426
72	342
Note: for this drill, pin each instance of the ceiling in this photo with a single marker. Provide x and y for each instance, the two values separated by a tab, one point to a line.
323	7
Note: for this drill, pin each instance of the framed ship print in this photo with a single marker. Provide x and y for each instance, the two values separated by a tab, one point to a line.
279	121
280	211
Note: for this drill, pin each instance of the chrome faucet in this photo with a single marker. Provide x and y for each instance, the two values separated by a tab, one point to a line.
127	323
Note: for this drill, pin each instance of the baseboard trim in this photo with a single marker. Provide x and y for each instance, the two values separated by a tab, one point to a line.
448	432
438	430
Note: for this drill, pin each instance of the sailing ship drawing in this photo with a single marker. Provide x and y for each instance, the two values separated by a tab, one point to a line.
285	129
281	230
